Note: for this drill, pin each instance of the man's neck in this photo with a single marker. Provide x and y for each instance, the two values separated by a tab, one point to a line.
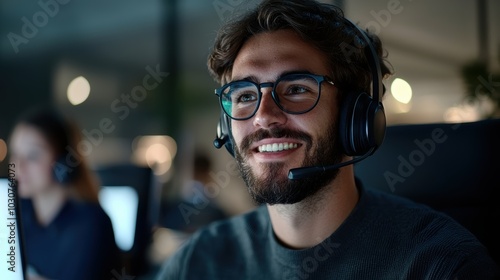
309	222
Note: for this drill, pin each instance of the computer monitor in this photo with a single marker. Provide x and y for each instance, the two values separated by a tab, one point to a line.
121	203
139	185
12	260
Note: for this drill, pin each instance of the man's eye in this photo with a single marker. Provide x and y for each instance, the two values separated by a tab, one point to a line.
246	97
297	89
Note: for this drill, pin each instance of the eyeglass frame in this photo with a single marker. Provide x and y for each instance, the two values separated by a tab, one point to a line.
319	79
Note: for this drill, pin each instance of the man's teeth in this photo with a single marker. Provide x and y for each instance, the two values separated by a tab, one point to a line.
275	147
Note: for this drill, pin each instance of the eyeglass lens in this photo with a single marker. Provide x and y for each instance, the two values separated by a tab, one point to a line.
294	93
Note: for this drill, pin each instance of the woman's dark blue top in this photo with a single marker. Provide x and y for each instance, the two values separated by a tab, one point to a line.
78	244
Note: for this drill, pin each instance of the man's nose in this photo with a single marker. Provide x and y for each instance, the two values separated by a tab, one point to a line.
268	114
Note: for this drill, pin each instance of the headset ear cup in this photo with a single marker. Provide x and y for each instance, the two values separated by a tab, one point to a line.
62	173
344	124
356	125
377	124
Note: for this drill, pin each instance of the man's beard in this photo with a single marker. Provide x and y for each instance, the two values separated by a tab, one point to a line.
274	187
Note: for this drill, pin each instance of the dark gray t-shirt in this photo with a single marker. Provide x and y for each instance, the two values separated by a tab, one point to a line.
385	237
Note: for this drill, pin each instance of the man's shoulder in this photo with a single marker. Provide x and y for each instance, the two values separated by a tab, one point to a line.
401	207
419	224
425	234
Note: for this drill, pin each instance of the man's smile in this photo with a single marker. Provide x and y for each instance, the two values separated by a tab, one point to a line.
276	147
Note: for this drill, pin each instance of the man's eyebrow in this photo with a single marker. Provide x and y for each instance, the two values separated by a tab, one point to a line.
254	79
247	78
302	71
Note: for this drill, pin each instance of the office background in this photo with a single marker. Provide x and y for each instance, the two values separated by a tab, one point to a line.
133	74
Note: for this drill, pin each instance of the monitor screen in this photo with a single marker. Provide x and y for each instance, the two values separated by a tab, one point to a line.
121	203
11	258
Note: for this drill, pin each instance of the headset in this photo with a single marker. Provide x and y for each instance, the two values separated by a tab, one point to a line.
223	136
62	172
362	121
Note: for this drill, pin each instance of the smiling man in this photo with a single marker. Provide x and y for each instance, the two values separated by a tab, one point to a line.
293	76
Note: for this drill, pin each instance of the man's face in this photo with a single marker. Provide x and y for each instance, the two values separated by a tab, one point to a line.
307	139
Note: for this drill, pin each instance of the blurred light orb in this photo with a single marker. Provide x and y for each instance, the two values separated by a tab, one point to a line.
78	90
3	150
463	113
401	90
157	154
159	158
155	151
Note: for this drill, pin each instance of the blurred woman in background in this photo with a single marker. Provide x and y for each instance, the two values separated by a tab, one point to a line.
67	234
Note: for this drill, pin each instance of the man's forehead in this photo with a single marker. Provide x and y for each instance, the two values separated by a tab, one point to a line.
271	54
257	79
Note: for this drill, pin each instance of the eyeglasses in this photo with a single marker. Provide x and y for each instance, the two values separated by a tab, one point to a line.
293	93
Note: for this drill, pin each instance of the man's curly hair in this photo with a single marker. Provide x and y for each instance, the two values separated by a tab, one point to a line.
322	25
